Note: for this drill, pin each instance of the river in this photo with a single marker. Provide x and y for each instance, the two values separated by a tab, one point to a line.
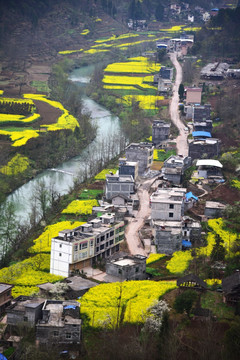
62	176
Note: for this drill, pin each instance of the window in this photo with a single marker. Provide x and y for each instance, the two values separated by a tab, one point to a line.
68	335
171	215
60	254
120	271
91	243
60	245
111	233
75	247
137	269
55	333
97	240
111	242
106	244
107	235
25	318
83	246
171	206
102	247
102	238
97	250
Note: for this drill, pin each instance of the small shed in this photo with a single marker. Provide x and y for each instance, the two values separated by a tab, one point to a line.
231	288
191	281
201	134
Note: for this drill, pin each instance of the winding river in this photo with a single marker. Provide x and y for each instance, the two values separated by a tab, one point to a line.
62	176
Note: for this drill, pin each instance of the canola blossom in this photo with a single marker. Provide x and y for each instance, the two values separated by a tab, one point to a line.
78	207
102	302
19	101
173	29
94	51
236	183
65	121
127	80
1	92
67	52
43	242
211	282
146	102
134	65
192	28
119	87
20	138
17	165
98	19
179	262
114	37
85	32
156	152
18	118
154	257
28	273
104	172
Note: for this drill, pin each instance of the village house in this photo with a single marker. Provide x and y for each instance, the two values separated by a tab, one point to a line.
193	95
166	73
174	168
5	296
203	126
24	310
201	112
141	152
231	289
127	267
128	168
164	86
171	236
71	289
209	148
214	71
60	323
167	204
214	209
75	249
160	132
207	168
192	281
119	184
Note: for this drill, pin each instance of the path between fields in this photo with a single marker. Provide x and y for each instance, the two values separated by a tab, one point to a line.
182	144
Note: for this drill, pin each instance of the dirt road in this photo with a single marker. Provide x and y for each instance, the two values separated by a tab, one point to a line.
135	224
182	145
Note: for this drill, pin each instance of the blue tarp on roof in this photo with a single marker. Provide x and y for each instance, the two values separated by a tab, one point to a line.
201	134
186	243
2	357
68	307
190	195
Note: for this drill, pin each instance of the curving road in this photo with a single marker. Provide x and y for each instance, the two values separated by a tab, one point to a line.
182	145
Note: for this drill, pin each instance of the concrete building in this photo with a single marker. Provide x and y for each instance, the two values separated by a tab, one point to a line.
205	126
207	168
164	86
166	73
174	167
204	148
214	71
169	235
193	95
167	204
214	209
201	112
5	296
119	185
75	249
128	267
160	131
141	152
60	323
24	310
128	168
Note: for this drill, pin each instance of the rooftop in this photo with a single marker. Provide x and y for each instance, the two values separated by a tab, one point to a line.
5	287
214	205
201	134
209	162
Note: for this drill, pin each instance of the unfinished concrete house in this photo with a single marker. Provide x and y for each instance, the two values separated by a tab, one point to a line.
141	152
205	148
5	296
174	167
214	209
24	310
166	73
160	132
128	168
214	71
201	112
209	168
119	184
167	204
205	126
128	267
60	323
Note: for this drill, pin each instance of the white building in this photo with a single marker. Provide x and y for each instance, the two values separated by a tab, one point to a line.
75	249
168	204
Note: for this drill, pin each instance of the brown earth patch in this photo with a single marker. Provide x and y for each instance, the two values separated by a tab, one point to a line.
49	114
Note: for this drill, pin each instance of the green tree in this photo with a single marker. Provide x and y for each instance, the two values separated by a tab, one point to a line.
232	341
159	12
181	91
218	251
184	302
